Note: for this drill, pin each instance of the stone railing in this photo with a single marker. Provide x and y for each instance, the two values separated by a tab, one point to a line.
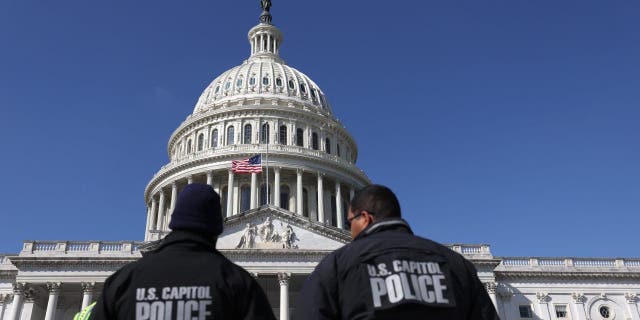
78	247
260	148
509	263
482	250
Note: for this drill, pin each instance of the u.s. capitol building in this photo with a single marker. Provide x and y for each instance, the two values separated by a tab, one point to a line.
280	223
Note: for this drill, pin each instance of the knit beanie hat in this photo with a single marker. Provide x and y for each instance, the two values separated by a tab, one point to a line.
198	209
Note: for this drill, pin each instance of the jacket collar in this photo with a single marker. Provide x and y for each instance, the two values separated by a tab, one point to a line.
385	224
182	236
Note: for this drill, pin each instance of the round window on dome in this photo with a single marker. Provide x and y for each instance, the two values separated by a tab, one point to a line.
303	89
239	82
217	89
291	84
278	82
227	85
265	81
252	81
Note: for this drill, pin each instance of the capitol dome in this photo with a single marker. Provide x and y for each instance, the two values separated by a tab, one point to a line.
261	107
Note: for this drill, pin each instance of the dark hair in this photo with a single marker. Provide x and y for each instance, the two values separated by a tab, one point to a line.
378	200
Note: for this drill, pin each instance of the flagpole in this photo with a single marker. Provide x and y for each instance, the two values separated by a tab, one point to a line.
267	158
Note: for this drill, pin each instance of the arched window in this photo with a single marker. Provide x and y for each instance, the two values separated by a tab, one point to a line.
291	84
245	198
313	96
214	138
247	134
223	201
265	81
305	202
284	197
327	145
263	194
200	141
299	137
189	146
238	83
314	141
278	82
252	81
282	135
264	133
230	135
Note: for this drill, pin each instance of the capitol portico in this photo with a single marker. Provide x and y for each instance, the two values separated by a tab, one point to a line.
281	222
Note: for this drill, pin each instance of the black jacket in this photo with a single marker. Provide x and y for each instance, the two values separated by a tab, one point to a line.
186	277
388	273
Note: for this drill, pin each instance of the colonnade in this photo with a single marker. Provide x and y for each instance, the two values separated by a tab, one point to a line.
24	298
298	181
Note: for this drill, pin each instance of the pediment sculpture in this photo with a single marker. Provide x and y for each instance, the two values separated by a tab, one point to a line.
267	236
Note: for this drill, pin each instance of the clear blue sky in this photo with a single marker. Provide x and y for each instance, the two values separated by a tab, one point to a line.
513	123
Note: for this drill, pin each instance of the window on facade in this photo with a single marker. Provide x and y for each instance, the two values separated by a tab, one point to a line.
252	81
561	311
299	137
282	135
265	81
264	133
305	202
214	138
263	194
303	88
313	95
314	141
605	312
292	84
327	145
239	82
200	141
189	146
246	138
334	211
217	89
525	311
245	198
278	82
223	201
230	135
284	197
227	85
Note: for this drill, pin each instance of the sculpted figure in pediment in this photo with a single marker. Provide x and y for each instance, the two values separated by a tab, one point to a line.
247	241
267	232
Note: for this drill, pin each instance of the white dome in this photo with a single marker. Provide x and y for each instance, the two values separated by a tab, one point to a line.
263	75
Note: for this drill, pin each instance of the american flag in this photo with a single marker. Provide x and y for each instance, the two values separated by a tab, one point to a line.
251	165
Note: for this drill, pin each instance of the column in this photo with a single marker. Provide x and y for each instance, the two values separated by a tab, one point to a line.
339	205
210	178
161	211
174	197
276	187
147	225
543	307
632	306
491	289
29	304
54	291
506	311
154	204
299	192
230	194
87	293
283	278
320	199
3	303
16	305
578	304
189	179
254	194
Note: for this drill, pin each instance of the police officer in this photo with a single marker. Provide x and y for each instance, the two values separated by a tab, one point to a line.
185	277
389	273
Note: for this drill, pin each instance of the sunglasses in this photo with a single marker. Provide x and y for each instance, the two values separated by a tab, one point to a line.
347	221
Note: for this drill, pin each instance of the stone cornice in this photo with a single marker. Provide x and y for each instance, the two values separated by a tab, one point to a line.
554	275
74	262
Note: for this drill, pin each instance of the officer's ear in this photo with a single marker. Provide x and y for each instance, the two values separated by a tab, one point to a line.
368	217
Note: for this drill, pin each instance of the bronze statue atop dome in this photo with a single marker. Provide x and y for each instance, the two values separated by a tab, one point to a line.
265	17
